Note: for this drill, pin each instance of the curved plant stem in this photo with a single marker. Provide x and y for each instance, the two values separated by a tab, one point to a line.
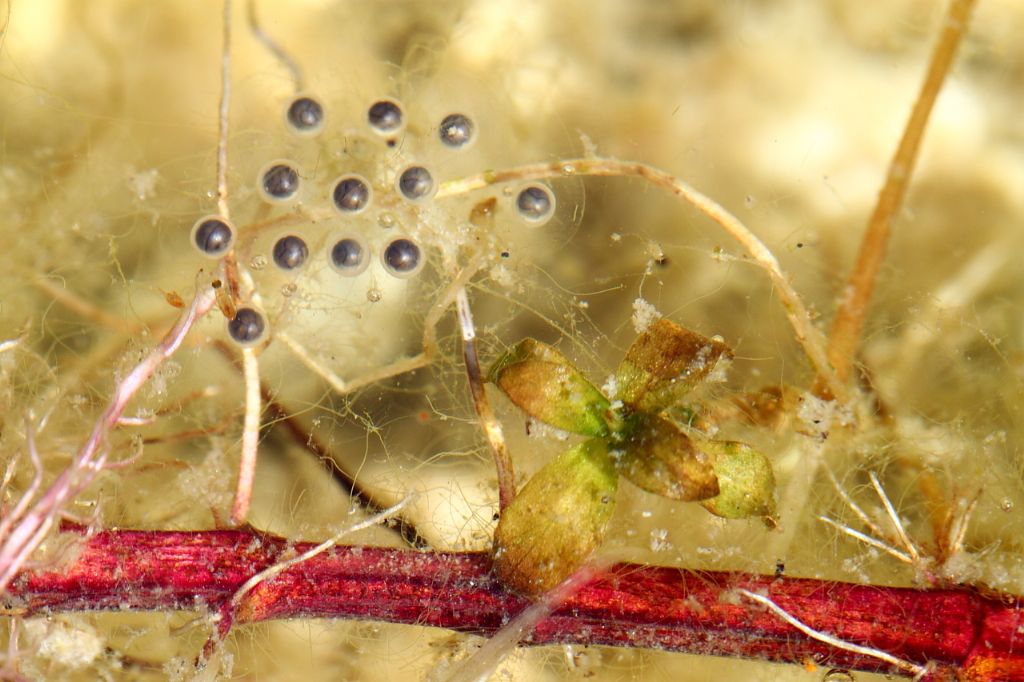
365	498
809	337
279	414
231	609
853	307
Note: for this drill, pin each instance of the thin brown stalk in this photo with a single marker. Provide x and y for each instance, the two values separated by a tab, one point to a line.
853	308
421	359
279	414
365	498
229	270
223	116
488	422
807	335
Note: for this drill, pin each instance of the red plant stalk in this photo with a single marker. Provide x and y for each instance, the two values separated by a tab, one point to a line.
961	633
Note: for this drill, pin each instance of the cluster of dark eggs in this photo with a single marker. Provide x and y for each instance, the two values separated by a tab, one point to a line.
351	194
349	255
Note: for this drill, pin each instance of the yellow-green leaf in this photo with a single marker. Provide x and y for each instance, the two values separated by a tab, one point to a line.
665	363
544	384
661	459
557	520
746	481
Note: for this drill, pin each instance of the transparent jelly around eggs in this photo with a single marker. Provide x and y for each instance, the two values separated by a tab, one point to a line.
362	256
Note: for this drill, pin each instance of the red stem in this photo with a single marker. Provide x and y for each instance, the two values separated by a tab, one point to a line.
968	635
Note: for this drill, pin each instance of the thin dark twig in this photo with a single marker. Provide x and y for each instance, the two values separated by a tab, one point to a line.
280	415
364	498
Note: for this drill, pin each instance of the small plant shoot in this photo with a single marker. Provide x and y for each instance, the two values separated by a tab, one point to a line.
559	517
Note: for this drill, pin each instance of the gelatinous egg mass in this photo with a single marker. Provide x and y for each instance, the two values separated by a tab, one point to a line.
305	115
348	256
535	203
415	183
290	252
212	236
247	326
280	182
385	116
456	130
351	194
402	257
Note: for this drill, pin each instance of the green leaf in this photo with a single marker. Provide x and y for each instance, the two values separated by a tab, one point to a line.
557	520
746	480
664	364
544	384
661	459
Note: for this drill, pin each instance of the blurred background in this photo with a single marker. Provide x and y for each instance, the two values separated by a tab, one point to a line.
785	112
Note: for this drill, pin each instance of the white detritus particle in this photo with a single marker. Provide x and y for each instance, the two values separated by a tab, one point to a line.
644	314
721	369
659	540
143	183
815	413
539	429
73	646
503	277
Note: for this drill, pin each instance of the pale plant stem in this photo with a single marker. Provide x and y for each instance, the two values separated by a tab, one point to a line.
236	606
861	514
488	422
807	335
422	359
826	638
894	517
867	539
33	487
223	116
958	529
853	307
282	566
311	363
230	270
24	534
9	668
136	421
250	436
